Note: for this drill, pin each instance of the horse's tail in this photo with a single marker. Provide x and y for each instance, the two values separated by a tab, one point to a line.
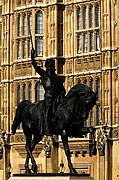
17	118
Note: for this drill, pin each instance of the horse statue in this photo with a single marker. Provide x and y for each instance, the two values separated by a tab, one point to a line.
67	121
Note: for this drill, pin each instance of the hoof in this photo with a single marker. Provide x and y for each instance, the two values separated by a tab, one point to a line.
34	168
73	171
27	171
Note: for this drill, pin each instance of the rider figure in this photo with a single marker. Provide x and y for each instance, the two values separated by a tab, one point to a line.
54	90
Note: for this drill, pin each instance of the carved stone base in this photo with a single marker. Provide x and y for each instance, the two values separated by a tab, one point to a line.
51	176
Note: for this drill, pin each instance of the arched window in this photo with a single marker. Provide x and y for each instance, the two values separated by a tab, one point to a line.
30	22
97	41
29	48
39	22
24	24
39	46
85	17
39	91
85	42
18	50
91	41
97	15
19	25
18	94
24	91
24	49
39	33
91	15
78	43
30	92
78	18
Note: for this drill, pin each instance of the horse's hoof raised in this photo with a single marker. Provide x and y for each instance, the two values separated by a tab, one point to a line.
73	171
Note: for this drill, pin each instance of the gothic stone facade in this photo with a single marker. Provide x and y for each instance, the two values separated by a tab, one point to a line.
83	38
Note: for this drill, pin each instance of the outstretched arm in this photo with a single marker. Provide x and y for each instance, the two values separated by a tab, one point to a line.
37	68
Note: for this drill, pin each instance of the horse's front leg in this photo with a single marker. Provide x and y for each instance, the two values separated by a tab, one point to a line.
67	152
27	170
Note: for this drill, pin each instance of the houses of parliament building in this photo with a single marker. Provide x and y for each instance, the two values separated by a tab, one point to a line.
82	36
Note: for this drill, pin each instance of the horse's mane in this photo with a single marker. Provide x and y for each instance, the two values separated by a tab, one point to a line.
75	107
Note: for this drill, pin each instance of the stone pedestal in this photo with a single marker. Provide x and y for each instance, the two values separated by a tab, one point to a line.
50	176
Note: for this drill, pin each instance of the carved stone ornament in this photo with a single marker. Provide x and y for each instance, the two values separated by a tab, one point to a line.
101	144
114	2
102	136
47	149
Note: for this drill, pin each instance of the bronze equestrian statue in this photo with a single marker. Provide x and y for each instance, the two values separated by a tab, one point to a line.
57	114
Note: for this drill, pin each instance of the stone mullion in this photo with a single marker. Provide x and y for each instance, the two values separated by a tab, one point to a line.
118	93
68	42
109	97
15	95
45	33
49	31
7	106
27	32
21	90
2	103
113	28
33	90
113	98
74	32
66	32
15	36
103	95
94	35
106	95
14	98
52	33
56	30
26	83
109	15
11	103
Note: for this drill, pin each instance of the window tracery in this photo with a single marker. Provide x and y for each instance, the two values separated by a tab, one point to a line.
88	35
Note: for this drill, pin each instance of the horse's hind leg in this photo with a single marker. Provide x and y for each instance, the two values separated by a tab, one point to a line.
67	152
37	138
29	154
27	164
